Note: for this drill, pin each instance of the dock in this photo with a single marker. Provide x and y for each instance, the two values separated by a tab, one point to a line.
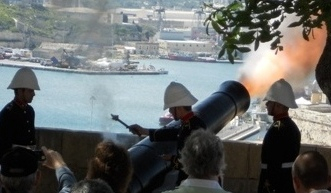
37	66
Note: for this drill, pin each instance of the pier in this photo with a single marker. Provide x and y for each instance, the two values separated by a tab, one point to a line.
37	66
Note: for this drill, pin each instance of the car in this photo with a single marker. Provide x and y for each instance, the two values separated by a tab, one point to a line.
35	59
46	62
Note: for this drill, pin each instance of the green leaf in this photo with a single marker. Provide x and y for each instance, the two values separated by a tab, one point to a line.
295	24
221	53
275	43
276	24
231	57
236	5
265	37
243	49
247	37
280	48
216	26
257	43
305	35
275	14
207	27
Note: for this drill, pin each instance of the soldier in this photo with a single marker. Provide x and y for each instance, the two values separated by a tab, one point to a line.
179	100
281	143
17	117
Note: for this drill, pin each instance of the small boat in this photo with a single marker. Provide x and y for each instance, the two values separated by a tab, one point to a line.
206	59
166	119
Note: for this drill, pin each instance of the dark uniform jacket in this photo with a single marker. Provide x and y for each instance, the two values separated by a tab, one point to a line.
189	123
16	126
280	147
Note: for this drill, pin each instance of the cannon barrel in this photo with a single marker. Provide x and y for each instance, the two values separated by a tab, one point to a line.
231	99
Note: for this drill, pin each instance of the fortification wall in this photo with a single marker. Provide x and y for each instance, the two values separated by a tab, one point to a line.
314	122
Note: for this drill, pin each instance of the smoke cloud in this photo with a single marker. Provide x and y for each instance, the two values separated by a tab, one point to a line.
295	63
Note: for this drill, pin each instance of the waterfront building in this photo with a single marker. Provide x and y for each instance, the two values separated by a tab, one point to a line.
187	46
146	48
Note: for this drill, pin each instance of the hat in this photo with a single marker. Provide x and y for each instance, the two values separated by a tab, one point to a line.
24	78
19	162
177	95
281	92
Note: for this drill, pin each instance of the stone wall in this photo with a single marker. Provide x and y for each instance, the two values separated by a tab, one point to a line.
76	147
314	122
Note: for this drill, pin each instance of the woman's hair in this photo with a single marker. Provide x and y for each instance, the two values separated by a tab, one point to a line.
111	163
203	155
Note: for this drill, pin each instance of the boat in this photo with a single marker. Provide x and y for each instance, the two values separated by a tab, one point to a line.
181	56
227	61
206	59
163	56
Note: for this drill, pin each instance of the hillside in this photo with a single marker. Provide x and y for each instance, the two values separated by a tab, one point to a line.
27	26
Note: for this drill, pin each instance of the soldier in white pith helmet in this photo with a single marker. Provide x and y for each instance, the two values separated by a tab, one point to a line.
17	117
281	143
179	100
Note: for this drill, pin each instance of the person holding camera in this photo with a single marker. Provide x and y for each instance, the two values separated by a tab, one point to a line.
64	176
17	117
20	172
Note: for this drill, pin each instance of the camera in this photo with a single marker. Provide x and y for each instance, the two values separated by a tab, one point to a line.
40	155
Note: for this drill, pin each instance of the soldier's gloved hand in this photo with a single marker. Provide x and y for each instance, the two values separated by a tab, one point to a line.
138	130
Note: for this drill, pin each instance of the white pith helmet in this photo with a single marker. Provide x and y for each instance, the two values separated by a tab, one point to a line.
177	95
281	92
24	78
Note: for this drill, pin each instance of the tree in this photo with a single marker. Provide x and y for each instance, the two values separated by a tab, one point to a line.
252	22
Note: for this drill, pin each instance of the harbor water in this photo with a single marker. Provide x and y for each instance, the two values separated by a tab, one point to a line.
85	102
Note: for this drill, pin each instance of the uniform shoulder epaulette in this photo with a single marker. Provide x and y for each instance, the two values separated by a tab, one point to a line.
276	124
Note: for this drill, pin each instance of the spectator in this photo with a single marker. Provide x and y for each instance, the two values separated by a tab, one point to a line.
17	117
64	175
19	170
179	100
281	143
203	160
91	186
111	163
20	173
310	173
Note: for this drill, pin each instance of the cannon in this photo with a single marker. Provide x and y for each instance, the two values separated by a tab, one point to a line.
230	100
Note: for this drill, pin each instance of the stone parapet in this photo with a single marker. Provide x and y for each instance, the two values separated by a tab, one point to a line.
242	158
314	123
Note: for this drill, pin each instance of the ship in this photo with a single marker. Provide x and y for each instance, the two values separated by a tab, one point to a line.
181	56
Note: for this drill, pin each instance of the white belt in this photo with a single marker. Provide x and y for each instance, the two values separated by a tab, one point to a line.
284	165
32	147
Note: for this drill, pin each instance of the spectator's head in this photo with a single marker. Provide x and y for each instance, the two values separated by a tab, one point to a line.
91	186
19	170
203	155
310	172
111	163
